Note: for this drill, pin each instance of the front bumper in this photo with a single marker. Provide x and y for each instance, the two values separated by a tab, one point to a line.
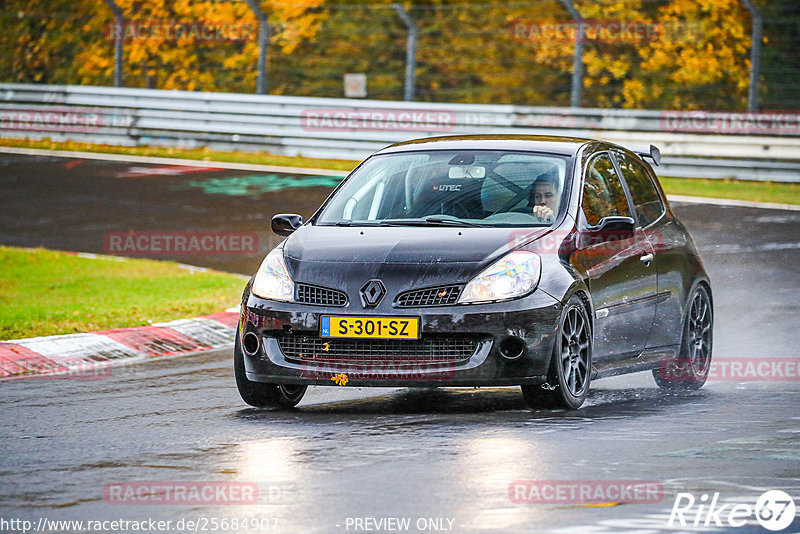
530	323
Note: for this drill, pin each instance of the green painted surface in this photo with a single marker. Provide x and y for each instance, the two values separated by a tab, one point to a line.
256	184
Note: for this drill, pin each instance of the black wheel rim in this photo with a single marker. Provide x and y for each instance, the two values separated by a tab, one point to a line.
699	332
575	351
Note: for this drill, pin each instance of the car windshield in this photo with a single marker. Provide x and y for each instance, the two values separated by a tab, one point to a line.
451	188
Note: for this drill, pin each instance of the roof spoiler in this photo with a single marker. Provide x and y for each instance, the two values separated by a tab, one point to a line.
653	153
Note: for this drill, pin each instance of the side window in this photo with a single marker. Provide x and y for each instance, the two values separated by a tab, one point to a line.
603	195
644	194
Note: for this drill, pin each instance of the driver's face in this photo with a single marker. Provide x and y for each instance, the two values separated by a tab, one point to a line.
545	195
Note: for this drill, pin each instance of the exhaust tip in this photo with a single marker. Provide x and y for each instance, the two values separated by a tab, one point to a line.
512	348
250	344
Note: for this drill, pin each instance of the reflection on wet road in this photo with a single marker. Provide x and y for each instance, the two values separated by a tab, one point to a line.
346	453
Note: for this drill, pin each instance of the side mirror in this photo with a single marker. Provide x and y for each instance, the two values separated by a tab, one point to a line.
286	223
611	229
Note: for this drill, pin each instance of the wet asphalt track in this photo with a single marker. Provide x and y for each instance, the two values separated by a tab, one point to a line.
355	453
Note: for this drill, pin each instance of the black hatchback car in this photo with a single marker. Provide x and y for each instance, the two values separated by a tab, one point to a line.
542	262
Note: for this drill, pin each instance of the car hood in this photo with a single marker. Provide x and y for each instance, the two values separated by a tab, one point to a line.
402	257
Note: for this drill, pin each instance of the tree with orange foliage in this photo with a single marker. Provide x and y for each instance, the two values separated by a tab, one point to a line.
188	44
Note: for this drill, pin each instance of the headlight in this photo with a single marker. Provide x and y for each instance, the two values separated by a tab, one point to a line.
272	279
511	276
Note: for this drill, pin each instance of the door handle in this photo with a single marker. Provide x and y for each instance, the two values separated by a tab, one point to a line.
646	259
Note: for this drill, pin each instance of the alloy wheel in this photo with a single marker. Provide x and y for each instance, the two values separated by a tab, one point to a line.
575	352
699	331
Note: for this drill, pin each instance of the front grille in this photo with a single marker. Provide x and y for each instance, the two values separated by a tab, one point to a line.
320	296
432	296
378	353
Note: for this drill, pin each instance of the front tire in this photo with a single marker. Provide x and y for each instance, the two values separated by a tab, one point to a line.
689	371
259	394
569	375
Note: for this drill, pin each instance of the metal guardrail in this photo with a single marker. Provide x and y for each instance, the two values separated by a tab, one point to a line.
763	146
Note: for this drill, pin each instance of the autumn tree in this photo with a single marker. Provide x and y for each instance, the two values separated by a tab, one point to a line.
687	52
169	44
704	60
39	39
213	45
692	54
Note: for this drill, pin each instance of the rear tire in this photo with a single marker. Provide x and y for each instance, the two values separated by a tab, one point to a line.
689	371
259	394
569	374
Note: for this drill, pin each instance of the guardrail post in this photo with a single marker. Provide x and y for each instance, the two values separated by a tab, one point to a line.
411	51
119	36
755	54
577	57
263	41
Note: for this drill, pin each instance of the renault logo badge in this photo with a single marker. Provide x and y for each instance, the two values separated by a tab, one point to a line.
372	293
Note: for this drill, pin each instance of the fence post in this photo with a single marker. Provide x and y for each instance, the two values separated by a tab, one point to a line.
263	41
755	54
577	57
119	31
411	52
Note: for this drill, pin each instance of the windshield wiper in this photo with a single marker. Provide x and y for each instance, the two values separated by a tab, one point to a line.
449	222
429	221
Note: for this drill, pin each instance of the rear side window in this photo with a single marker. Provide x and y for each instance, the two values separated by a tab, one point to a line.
643	192
603	195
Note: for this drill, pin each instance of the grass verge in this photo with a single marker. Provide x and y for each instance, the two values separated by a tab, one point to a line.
44	292
779	192
756	191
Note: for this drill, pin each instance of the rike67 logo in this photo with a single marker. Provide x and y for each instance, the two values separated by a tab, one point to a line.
774	510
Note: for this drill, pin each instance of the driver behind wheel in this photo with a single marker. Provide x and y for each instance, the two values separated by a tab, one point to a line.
544	197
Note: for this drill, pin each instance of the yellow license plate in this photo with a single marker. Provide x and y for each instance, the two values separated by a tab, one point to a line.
373	327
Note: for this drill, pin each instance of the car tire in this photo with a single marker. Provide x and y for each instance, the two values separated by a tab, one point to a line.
689	371
569	374
259	394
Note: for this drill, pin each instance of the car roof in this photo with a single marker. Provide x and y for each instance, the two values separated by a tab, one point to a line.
567	146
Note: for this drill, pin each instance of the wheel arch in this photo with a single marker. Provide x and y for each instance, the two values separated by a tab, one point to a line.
587	303
698	282
579	289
